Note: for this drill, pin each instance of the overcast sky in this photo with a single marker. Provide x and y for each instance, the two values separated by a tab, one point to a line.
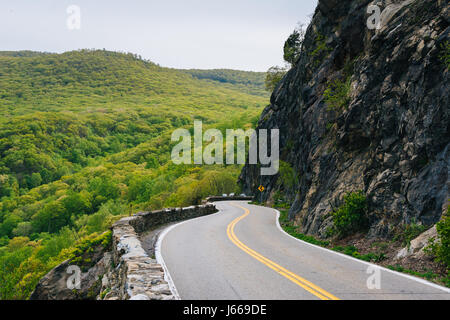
237	34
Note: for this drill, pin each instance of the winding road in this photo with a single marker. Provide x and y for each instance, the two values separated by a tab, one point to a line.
242	253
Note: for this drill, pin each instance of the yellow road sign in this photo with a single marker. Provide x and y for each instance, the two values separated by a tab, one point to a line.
261	188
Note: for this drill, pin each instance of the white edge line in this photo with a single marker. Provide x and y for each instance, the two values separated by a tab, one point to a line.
160	259
436	286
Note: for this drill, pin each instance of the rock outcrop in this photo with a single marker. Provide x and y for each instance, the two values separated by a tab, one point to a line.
389	135
60	283
417	246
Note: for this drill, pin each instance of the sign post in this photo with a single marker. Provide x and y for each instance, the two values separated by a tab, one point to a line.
261	190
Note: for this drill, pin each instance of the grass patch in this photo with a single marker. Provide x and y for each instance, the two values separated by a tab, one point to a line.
409	233
321	51
353	252
440	249
329	126
81	255
289	228
383	246
429	275
283	205
445	53
279	201
337	94
287	177
104	293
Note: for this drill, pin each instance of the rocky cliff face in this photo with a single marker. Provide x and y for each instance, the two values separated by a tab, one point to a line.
387	130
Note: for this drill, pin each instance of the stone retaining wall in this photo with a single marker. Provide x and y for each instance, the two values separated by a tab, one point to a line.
127	272
235	198
134	274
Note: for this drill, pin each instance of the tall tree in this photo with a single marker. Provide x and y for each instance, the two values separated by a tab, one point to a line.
293	45
273	77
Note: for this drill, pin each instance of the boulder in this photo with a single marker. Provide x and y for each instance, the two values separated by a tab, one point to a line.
417	246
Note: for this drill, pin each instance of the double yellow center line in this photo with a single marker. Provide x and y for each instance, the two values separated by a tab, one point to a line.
305	284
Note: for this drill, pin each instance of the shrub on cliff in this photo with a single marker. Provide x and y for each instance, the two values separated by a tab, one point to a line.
288	178
441	248
87	250
273	77
445	53
337	94
351	216
293	45
409	233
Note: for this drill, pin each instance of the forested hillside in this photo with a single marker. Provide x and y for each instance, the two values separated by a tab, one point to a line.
85	140
250	82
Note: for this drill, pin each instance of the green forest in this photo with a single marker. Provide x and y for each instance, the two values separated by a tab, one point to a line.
250	82
85	141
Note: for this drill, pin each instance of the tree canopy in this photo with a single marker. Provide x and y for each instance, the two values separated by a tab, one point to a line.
85	140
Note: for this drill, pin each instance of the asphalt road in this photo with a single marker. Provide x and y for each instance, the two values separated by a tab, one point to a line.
241	253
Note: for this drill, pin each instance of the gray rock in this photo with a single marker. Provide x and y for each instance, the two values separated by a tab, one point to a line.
53	286
140	297
392	139
417	246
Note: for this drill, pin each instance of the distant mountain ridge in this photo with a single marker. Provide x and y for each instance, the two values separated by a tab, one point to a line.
23	53
55	80
251	82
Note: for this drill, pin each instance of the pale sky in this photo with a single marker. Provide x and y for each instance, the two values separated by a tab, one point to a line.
204	34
